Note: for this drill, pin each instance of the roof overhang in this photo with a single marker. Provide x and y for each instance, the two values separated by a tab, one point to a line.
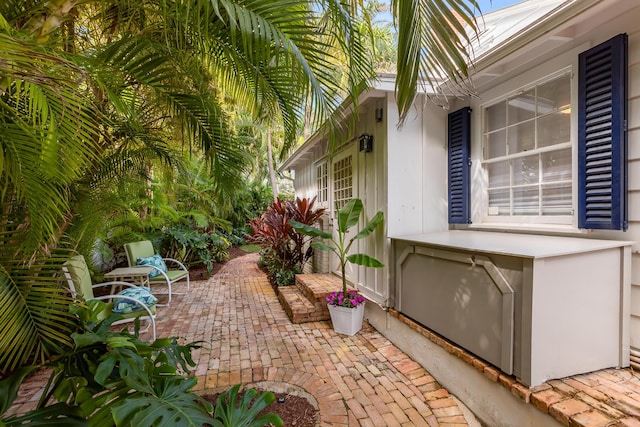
379	88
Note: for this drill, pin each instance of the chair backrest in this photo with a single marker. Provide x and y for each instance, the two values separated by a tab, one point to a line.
135	250
77	273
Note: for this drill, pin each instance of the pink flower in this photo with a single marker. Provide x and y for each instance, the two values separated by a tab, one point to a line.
351	299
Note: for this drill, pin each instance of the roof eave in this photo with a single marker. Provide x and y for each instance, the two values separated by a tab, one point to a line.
535	30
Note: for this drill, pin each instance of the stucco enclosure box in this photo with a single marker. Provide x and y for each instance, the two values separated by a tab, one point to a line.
537	307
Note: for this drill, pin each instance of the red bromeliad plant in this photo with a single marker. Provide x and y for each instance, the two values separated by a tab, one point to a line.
282	244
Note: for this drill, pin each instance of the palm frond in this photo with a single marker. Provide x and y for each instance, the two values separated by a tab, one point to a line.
433	47
35	320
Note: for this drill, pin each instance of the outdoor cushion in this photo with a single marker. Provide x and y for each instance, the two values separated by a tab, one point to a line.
153	261
144	295
173	275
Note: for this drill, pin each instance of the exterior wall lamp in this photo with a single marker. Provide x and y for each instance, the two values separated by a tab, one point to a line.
379	114
366	142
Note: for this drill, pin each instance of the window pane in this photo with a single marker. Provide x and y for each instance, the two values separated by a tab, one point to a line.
495	117
499	200
522	107
554	129
527	154
496	144
525	201
555	96
526	170
556	199
556	166
522	137
498	174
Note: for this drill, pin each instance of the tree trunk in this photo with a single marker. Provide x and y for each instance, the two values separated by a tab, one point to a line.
272	172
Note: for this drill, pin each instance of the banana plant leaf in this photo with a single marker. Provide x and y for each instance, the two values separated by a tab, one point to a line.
370	228
309	230
349	214
322	246
364	260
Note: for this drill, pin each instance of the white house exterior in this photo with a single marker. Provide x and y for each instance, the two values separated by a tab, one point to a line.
533	187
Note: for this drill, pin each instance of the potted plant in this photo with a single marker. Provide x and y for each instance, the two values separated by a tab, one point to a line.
345	307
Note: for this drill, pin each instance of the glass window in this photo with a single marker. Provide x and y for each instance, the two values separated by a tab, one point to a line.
342	182
527	152
321	182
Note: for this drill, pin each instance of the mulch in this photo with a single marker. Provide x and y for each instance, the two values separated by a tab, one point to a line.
293	410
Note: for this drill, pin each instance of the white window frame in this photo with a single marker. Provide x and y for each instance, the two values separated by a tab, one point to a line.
480	192
322	182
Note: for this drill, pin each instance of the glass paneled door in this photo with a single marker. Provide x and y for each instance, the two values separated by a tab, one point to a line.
344	188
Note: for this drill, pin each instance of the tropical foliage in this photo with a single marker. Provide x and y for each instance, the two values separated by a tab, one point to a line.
285	251
348	217
433	47
99	98
114	378
233	412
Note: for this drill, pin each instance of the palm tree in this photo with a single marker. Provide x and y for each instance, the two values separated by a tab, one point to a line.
433	46
89	91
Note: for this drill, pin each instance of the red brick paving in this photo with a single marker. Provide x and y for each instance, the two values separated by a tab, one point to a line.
361	380
247	337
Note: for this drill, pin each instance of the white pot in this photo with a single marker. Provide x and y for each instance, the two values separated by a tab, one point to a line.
346	320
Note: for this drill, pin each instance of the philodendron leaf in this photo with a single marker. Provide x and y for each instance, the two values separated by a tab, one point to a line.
245	412
370	228
173	405
308	230
349	214
364	260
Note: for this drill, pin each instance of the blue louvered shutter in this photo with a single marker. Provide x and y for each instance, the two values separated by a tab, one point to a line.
459	166
602	136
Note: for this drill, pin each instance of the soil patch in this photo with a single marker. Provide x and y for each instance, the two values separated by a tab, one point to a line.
199	272
293	404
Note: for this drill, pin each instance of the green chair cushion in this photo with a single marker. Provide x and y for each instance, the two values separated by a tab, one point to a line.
172	274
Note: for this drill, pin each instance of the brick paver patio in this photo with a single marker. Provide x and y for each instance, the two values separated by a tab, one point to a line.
361	380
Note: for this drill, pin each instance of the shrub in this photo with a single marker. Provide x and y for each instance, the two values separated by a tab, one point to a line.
283	248
193	245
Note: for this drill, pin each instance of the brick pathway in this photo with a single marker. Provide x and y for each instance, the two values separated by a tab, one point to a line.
361	380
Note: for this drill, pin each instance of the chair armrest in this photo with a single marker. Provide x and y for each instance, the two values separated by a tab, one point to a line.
144	306
177	262
116	282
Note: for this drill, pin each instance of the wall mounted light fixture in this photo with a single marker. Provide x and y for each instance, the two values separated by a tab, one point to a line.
379	114
366	142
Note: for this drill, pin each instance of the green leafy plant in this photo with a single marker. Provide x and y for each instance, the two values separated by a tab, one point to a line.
193	245
348	217
284	249
231	412
112	377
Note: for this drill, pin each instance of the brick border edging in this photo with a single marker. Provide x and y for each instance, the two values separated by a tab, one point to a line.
560	405
331	405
